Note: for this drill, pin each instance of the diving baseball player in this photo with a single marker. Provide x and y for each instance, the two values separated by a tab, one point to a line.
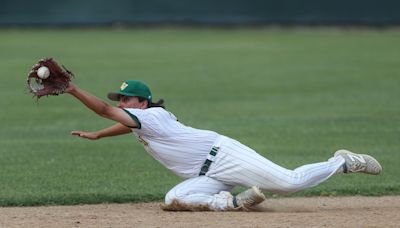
210	164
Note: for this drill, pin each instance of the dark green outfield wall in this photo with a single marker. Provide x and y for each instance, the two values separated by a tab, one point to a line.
106	12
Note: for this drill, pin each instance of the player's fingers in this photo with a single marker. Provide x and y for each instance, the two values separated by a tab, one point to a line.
86	135
77	133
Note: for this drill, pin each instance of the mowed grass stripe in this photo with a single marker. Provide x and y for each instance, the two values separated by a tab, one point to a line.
294	95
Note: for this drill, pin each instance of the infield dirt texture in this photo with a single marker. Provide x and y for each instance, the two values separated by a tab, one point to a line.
294	95
287	212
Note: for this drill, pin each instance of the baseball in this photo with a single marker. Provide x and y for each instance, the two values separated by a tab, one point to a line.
43	72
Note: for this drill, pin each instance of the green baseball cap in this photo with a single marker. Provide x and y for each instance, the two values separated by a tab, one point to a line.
132	88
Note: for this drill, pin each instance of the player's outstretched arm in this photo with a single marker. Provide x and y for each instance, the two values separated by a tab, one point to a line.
114	130
100	107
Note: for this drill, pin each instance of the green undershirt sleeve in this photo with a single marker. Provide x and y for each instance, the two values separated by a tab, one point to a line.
139	125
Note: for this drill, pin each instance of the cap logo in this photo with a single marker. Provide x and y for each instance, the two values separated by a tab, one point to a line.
124	85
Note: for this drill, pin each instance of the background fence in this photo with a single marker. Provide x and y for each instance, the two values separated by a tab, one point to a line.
214	12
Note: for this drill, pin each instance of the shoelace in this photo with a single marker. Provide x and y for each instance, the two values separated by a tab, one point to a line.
357	166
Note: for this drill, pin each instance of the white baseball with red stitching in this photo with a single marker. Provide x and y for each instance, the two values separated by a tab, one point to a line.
43	72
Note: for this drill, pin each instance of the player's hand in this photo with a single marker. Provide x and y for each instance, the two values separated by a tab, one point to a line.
86	135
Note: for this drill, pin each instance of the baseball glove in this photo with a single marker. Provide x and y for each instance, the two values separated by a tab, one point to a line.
53	83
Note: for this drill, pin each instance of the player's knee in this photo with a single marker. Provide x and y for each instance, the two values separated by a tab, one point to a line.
169	198
174	195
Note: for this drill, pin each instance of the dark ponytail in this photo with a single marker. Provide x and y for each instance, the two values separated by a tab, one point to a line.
159	103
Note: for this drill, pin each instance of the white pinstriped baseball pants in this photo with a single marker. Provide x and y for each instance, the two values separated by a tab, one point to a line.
238	165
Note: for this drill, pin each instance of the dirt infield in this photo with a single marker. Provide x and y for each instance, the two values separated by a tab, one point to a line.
285	212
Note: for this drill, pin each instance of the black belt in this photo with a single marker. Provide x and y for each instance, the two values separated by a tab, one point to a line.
208	161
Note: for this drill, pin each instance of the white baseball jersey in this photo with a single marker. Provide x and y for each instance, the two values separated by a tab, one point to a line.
179	148
183	150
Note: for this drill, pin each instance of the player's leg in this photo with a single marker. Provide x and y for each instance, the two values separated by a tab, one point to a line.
205	193
200	193
258	171
239	165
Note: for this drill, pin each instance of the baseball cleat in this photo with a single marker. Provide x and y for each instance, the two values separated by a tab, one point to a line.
359	163
248	198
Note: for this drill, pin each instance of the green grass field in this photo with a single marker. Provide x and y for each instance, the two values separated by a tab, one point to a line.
294	95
